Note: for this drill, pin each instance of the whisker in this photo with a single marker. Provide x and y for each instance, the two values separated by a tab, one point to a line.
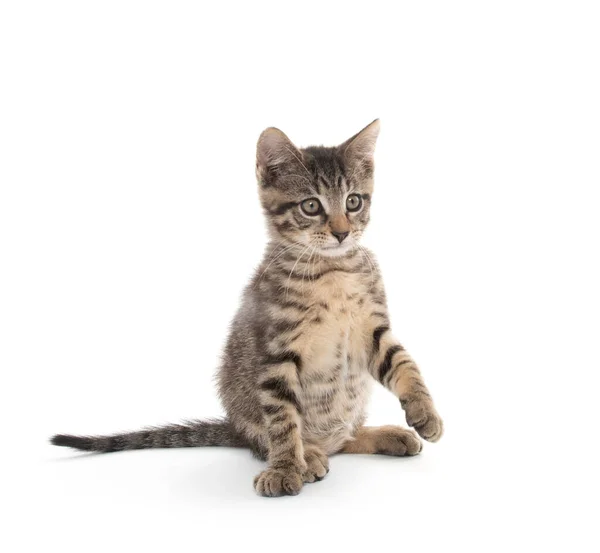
278	256
303	272
314	268
290	277
368	257
308	265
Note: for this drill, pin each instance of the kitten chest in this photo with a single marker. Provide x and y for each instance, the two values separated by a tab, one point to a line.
334	378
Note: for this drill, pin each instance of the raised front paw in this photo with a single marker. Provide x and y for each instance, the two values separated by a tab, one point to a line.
422	416
317	465
274	482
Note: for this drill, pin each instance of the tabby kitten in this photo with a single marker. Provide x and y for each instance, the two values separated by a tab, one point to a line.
312	331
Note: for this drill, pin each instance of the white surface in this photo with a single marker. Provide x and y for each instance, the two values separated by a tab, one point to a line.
127	135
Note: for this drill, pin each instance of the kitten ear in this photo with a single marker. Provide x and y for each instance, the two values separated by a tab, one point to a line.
274	148
361	147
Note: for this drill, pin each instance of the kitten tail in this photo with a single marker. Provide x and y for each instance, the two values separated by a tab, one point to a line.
189	434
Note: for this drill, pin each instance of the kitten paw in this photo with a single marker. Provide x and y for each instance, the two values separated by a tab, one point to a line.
397	441
317	465
423	417
274	482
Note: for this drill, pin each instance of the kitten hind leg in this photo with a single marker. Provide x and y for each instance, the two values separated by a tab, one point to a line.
384	440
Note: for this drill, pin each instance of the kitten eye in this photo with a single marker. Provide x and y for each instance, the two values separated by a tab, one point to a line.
353	202
312	206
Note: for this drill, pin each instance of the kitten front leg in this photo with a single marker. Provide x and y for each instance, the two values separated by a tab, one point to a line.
279	394
393	367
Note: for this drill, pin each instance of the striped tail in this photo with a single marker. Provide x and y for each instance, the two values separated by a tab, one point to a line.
189	434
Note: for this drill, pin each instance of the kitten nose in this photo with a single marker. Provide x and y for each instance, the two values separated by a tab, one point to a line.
340	235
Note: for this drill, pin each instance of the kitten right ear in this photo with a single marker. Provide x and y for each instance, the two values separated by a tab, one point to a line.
360	148
275	149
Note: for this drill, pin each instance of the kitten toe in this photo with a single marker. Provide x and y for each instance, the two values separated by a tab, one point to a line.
317	466
397	441
432	429
423	417
276	482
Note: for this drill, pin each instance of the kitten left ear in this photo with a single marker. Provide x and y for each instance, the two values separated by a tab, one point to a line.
361	147
275	152
275	148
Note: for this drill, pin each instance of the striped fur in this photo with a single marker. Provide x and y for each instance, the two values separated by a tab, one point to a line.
190	434
312	332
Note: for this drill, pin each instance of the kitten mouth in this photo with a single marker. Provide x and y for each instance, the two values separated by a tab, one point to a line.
336	249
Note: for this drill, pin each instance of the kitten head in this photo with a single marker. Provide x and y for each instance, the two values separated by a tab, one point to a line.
318	197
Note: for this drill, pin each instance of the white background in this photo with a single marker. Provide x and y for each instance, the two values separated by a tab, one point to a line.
129	224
